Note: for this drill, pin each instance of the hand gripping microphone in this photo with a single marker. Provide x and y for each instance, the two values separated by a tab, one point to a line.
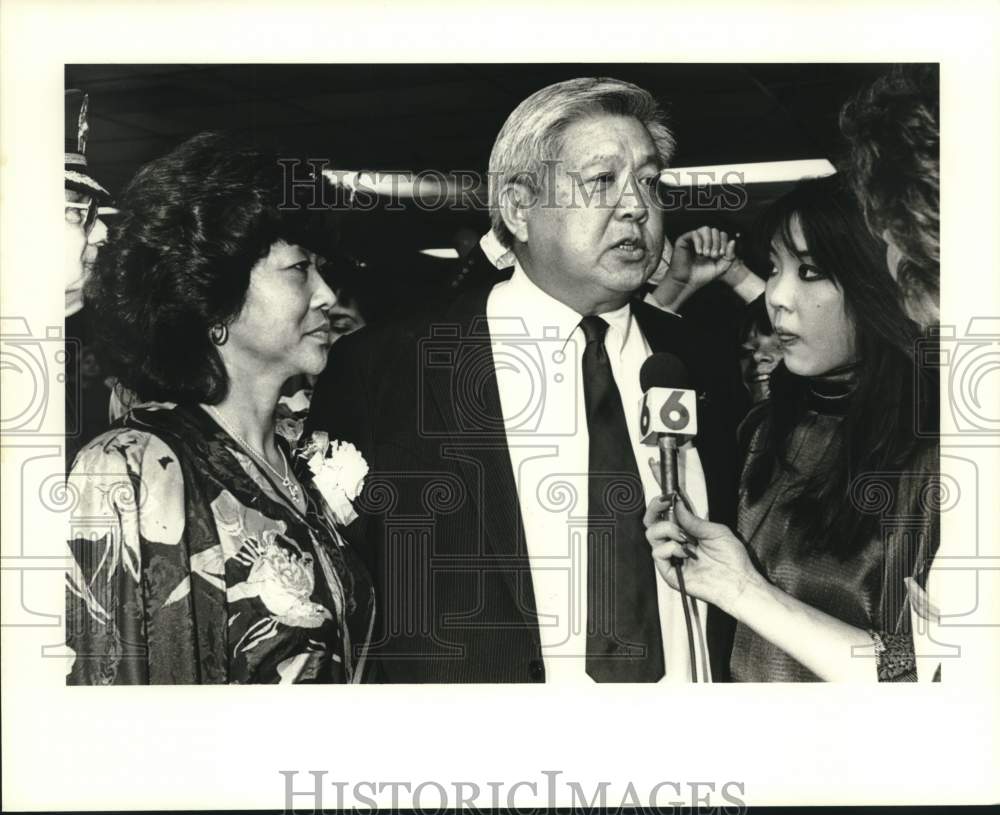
668	417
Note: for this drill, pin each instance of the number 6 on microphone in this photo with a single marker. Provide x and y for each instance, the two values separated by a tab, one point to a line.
670	411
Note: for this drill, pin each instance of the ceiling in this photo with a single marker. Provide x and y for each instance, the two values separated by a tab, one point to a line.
444	117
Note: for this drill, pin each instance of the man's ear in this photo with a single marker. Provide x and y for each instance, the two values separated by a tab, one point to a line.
516	201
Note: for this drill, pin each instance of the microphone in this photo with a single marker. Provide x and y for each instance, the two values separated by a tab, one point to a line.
668	416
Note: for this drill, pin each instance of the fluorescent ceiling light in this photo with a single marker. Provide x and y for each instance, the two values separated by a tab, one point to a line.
432	185
445	254
761	172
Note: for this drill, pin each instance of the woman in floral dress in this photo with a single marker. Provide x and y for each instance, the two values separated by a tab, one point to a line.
203	551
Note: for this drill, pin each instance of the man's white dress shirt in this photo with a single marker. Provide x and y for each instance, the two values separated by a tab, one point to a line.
538	355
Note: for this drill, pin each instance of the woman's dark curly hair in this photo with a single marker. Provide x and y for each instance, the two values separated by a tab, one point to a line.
192	226
892	129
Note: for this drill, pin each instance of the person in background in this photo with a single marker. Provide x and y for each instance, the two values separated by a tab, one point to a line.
818	587
893	130
704	255
87	203
760	351
207	556
699	257
352	282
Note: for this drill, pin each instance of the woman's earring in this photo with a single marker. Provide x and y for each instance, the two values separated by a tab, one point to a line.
219	334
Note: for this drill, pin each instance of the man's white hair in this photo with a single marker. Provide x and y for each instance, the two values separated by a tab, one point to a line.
532	134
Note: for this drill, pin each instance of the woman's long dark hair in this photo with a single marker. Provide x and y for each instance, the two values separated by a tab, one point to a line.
877	433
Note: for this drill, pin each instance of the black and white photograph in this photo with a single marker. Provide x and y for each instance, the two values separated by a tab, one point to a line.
534	392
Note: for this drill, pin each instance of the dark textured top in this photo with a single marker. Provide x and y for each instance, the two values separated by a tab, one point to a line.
190	568
866	590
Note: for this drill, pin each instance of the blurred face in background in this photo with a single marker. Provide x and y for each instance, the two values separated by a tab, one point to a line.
342	276
759	356
84	234
345	317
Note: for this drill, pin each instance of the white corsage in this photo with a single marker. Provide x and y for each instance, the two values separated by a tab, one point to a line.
339	472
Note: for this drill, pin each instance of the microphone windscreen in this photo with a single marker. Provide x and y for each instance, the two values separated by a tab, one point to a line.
663	370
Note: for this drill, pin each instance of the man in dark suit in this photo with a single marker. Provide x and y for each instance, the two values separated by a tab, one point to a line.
502	515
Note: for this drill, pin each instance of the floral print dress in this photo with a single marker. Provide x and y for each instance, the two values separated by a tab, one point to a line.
190	567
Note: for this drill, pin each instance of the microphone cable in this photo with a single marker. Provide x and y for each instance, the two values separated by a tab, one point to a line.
678	565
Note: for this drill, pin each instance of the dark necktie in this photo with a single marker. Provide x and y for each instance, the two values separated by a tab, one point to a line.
623	622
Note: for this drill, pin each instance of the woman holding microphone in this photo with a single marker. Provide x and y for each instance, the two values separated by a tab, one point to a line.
836	513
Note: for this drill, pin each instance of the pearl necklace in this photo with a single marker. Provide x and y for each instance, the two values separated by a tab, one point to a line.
286	479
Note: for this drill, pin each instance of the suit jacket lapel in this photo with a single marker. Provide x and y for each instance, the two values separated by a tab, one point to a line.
474	436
